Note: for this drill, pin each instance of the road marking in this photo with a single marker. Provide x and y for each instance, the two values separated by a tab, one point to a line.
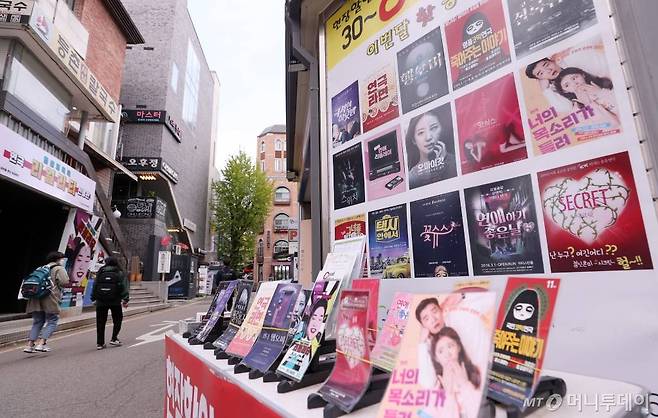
156	334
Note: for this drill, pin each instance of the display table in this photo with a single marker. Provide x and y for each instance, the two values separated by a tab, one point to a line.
199	385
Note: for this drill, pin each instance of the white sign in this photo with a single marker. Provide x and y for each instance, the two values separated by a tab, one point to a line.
293	247
164	261
189	225
26	163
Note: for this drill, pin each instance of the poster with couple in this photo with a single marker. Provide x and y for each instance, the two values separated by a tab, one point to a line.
443	370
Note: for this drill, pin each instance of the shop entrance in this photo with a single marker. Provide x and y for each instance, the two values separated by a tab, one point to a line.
31	226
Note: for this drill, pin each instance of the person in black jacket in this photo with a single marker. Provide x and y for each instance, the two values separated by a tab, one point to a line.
110	291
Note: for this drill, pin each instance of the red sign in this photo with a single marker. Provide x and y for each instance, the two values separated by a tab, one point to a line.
194	390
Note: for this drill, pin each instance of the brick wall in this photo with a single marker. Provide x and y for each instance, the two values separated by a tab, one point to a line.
107	45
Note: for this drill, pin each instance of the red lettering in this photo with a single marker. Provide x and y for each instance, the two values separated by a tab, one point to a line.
384	14
584	200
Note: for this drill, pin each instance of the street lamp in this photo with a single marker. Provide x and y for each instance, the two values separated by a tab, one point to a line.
116	213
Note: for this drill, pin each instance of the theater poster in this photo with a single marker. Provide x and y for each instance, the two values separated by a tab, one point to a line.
478	42
349	185
388	243
350	227
592	216
570	98
437	230
350	376
422	71
490	126
520	341
537	24
238	313
385	165
379	98
224	293
372	286
345	115
503	229
388	344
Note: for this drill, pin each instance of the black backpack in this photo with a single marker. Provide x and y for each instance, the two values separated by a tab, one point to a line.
108	287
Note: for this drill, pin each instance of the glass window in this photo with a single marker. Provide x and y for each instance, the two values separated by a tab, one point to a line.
282	194
261	248
262	146
281	272
191	95
281	248
105	136
278	145
281	222
262	166
174	77
33	85
277	164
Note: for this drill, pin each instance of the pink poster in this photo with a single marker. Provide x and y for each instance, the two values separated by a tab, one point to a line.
388	344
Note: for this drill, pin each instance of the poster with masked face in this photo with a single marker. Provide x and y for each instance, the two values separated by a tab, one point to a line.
239	312
349	185
524	320
224	293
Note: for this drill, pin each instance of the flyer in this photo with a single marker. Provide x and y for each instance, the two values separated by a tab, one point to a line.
349	185
297	323
441	369
246	336
430	146
570	98
272	338
437	230
306	343
593	218
350	227
350	376
385	165
371	285
524	321
477	42
422	71
502	225
388	344
345	122
238	313
389	243
342	264
224	294
211	309
379	98
537	24
490	127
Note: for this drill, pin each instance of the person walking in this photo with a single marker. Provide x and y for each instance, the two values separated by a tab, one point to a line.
45	310
110	291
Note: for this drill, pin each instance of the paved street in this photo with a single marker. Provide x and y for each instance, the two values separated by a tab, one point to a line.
76	380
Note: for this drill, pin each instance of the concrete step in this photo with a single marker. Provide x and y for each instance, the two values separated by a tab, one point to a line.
144	299
140	303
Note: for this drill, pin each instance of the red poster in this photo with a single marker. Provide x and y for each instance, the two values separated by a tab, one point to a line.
592	216
193	389
372	285
379	98
490	127
350	227
524	320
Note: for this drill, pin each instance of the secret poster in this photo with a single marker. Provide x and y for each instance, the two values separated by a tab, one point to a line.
345	123
349	186
437	229
379	98
388	243
592	216
503	228
238	313
385	165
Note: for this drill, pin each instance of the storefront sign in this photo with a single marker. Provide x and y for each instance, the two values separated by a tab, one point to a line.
152	116
189	225
16	11
143	208
164	262
173	128
138	164
25	163
169	172
74	64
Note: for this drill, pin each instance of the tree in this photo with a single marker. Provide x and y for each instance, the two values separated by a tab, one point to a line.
241	201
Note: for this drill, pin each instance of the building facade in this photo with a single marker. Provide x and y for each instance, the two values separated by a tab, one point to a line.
169	98
274	260
61	70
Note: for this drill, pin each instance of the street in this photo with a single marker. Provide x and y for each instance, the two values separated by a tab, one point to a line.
76	380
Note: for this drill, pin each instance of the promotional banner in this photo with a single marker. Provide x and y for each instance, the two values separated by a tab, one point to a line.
238	313
346	122
437	230
570	98
430	146
441	369
502	225
389	243
306	343
379	98
350	376
372	286
272	338
592	216
490	127
349	185
350	227
524	320
384	165
224	294
388	344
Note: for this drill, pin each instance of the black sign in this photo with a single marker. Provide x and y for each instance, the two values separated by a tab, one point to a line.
138	164
168	171
173	128
143	208
152	116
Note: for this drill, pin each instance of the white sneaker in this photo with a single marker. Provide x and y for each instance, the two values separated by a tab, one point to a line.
42	348
115	343
29	350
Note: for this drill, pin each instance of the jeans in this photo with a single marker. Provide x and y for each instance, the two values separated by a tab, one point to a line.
38	319
101	320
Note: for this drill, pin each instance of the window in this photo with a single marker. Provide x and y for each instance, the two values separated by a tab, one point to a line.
282	195
105	136
262	166
277	164
191	95
262	146
281	272
174	77
278	145
260	250
281	222
281	249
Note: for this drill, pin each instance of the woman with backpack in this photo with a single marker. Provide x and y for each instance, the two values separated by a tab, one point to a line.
45	309
110	291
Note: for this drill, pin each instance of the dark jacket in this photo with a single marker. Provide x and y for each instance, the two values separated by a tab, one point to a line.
120	278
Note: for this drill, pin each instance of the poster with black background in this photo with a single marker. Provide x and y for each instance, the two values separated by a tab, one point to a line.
345	115
422	71
437	231
239	312
537	24
502	224
348	178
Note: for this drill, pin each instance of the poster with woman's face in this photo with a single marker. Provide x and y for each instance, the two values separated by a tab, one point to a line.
477	42
238	313
349	186
430	146
570	98
490	127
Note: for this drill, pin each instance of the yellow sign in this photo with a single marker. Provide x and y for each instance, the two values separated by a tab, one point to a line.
356	21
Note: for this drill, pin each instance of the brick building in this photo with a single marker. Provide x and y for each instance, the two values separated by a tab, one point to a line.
272	261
